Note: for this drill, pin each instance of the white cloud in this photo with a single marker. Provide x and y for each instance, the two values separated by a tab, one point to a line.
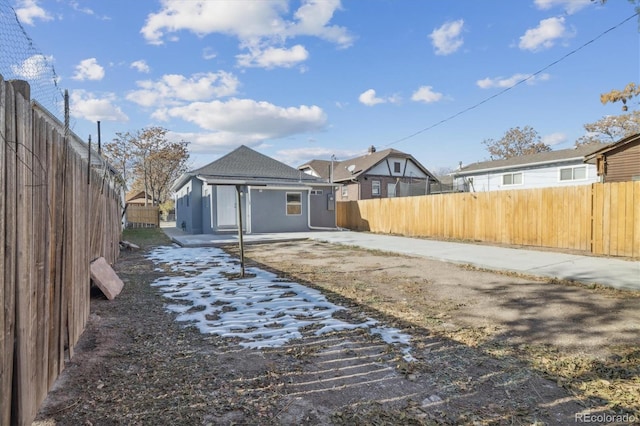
554	139
273	57
89	69
447	39
141	66
29	10
174	89
262	120
544	35
369	98
33	67
426	94
209	53
313	19
570	6
208	143
504	82
86	105
254	23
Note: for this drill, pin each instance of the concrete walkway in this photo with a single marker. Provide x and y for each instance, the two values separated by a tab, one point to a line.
617	273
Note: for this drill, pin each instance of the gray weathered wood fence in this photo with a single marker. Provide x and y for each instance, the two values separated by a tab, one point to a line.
59	209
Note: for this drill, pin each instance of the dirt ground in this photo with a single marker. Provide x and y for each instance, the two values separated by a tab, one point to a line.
489	348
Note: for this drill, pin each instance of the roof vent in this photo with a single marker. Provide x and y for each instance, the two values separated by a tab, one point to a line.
372	149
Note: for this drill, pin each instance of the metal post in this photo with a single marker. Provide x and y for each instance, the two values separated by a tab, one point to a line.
239	209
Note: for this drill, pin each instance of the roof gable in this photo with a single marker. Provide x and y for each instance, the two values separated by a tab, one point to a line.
321	167
243	162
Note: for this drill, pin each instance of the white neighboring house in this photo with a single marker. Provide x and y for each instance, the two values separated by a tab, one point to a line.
542	170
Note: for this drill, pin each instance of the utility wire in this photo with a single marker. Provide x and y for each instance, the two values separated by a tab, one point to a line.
484	101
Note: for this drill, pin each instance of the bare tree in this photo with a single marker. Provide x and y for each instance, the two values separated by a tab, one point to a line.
119	153
158	161
148	161
611	128
623	95
516	142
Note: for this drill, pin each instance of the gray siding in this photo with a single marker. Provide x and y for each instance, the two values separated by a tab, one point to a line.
322	206
189	207
269	212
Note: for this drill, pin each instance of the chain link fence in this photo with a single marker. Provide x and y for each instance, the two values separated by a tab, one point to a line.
20	59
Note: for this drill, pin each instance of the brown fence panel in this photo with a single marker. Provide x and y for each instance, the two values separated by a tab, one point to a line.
143	216
46	225
603	218
7	291
616	219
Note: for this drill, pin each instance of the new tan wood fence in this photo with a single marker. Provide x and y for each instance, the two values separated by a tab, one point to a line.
56	215
600	218
142	216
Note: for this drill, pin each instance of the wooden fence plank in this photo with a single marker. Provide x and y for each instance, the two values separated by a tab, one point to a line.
636	219
7	222
25	372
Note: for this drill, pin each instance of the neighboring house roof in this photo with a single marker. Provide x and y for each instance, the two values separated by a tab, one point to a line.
361	165
613	146
138	197
244	166
539	159
322	168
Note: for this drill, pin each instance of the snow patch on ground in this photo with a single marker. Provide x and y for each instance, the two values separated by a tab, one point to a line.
262	309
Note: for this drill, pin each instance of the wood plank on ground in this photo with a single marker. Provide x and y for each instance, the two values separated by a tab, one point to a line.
105	278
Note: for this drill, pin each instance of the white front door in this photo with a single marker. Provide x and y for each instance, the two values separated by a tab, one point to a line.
226	213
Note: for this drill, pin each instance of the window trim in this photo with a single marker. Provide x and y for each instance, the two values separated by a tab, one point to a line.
376	183
513	174
573	173
293	203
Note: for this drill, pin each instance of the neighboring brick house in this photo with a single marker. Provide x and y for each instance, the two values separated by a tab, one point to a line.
378	174
618	162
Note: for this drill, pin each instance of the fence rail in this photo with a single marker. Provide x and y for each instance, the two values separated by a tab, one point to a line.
57	214
600	218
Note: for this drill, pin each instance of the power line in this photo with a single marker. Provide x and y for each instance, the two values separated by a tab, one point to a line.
484	101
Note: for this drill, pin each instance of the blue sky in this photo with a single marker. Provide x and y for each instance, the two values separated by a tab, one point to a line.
307	79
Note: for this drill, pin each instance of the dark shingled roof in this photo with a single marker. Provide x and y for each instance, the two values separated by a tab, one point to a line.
246	165
532	159
243	162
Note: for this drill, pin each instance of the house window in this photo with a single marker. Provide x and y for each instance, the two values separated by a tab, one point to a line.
375	187
294	203
345	191
316	192
396	167
512	179
573	173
